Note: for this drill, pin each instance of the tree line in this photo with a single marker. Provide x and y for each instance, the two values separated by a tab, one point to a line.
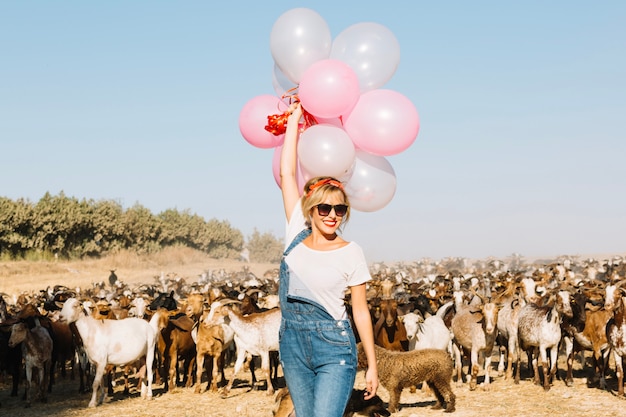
69	228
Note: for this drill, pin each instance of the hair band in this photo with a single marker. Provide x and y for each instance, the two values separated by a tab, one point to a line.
324	182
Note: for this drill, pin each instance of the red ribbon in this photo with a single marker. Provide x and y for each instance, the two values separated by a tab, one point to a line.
277	123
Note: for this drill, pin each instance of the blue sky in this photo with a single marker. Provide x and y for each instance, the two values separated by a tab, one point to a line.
522	109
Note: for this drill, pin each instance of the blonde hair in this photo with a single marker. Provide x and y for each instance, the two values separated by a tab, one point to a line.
315	192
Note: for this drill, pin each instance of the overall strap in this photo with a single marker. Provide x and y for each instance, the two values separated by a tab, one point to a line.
283	285
299	238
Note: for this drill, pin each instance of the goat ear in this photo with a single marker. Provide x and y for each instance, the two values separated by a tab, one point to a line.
58	304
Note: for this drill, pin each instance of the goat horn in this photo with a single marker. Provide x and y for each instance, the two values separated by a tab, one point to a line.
228	301
619	283
482	299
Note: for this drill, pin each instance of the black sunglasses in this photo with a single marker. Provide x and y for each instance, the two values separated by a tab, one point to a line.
324	209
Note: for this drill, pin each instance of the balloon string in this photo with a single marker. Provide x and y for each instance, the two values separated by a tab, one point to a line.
277	123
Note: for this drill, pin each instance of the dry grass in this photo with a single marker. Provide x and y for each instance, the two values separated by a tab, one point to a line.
19	276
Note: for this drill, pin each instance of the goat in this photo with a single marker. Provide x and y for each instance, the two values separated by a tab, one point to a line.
112	278
174	342
594	335
508	318
194	306
389	332
10	357
422	303
475	329
616	334
399	370
540	329
63	346
112	342
37	354
508	323
207	344
210	341
254	334
283	405
428	333
164	300
570	328
137	308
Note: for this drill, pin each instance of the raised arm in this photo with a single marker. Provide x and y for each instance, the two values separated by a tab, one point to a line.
288	161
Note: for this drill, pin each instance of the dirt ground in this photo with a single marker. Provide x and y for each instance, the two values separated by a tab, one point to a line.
503	399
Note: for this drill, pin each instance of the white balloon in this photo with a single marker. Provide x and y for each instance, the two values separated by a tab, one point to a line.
280	82
372	184
371	50
299	38
325	149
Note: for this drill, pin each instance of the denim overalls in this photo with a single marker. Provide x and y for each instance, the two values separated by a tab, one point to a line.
317	352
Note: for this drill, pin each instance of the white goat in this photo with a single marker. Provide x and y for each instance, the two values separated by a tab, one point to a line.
428	333
508	323
539	329
112	342
255	334
138	307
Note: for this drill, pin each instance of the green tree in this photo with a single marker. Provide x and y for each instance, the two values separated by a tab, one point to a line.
222	240
61	225
108	228
264	247
71	228
142	230
16	227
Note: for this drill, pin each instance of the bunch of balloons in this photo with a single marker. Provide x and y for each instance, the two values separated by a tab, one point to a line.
355	123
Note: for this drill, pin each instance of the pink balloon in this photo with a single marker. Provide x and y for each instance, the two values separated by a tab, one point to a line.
329	88
253	119
301	176
383	122
325	150
372	184
335	121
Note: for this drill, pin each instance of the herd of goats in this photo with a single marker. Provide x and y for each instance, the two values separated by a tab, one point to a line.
178	332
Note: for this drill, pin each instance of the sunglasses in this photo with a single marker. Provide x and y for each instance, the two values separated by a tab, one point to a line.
324	209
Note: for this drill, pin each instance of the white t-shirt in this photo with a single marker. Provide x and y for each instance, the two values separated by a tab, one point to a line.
323	276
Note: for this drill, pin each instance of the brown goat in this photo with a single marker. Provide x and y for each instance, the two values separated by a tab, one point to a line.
616	335
210	342
399	370
174	343
389	331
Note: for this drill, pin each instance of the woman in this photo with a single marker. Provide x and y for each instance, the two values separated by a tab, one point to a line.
317	343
